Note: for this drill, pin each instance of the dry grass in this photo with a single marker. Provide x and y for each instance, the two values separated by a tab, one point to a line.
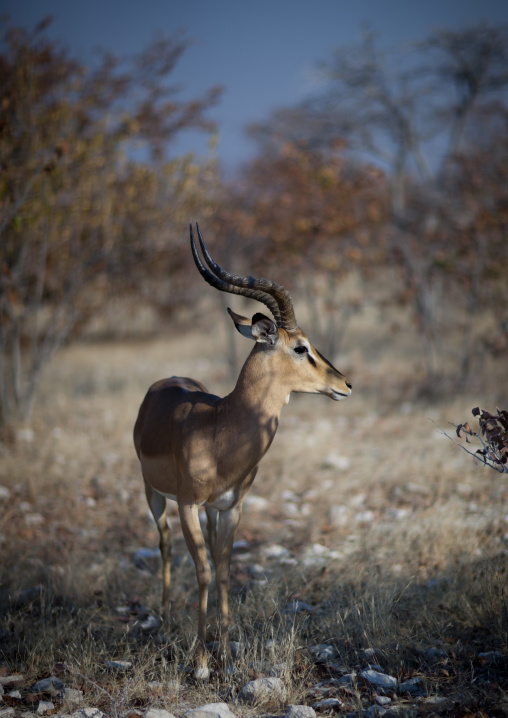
416	538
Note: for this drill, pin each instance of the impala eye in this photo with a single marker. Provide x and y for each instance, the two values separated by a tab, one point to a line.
301	349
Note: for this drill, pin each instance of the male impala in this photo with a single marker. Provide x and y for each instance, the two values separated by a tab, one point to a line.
201	450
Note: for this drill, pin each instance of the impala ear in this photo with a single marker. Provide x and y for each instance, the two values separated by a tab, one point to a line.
260	328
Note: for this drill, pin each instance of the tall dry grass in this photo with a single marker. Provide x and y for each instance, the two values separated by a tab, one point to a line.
414	535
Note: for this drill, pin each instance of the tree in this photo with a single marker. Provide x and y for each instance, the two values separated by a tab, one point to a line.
79	213
311	212
415	114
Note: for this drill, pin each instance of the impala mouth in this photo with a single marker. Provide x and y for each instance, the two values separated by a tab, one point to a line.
338	395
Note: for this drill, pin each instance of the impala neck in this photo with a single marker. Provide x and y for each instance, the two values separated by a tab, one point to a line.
259	396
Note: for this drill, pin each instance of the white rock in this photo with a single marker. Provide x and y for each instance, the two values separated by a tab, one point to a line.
51	685
11	680
276	551
157	713
4	492
298	607
364	517
118	665
217	710
44	707
7	712
255	503
263	690
323	652
413	685
88	713
338	516
379	679
337	461
327	703
296	711
72	695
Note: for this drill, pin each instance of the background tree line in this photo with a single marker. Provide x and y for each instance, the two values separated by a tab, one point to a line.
398	163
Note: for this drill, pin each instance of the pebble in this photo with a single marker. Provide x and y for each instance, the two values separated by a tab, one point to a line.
210	710
327	703
157	713
44	707
297	711
51	685
11	680
276	551
412	686
118	665
263	690
380	680
88	713
322	653
298	607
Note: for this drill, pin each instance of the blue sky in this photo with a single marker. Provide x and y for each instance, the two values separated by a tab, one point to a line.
264	53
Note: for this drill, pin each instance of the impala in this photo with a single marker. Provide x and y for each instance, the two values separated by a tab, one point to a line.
202	450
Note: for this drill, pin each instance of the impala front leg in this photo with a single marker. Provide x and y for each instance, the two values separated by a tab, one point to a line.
227	526
196	544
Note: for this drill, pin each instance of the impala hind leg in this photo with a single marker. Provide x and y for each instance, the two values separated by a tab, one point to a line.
227	527
157	504
196	544
212	518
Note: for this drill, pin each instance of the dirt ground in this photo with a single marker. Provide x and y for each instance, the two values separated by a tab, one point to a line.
391	534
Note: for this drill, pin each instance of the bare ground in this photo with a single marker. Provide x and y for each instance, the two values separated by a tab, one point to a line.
396	540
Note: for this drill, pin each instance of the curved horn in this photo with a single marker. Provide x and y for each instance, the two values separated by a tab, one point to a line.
271	294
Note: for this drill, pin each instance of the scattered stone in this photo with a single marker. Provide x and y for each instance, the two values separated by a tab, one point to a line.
337	461
44	707
380	680
51	685
14	694
382	700
72	695
298	607
256	571
210	710
322	653
119	666
434	654
346	681
151	623
297	711
11	681
88	713
412	686
254	503
440	701
4	492
339	516
263	690
7	712
492	656
278	670
328	703
157	713
276	551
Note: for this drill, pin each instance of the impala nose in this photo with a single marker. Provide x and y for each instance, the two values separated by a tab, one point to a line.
348	384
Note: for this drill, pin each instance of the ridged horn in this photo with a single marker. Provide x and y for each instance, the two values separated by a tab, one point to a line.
272	295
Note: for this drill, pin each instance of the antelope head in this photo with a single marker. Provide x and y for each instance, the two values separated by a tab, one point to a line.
286	348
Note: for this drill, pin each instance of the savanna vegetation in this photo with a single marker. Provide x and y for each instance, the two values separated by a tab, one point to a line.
381	203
